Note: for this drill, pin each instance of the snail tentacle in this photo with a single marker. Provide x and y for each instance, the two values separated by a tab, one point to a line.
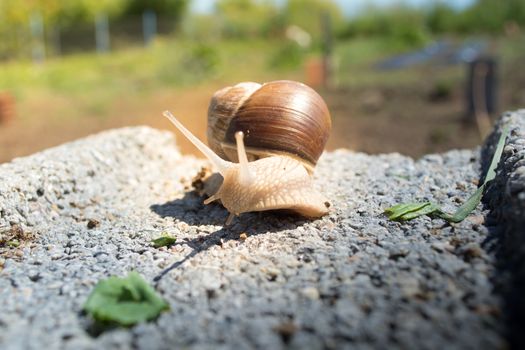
221	164
229	219
211	199
246	177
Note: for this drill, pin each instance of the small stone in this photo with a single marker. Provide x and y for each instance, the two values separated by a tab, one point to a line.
243	236
35	276
396	251
442	247
471	251
311	293
409	287
286	330
477	219
271	272
92	223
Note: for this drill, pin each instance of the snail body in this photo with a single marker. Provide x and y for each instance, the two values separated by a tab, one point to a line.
265	141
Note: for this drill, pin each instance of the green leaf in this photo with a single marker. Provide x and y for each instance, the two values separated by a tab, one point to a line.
463	211
163	241
125	301
491	172
409	211
14	243
429	209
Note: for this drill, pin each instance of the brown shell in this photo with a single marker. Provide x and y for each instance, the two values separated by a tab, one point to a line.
280	117
223	105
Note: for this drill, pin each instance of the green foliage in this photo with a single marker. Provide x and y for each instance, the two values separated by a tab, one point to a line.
409	211
164	241
174	9
201	60
287	56
246	18
413	26
70	13
401	24
491	16
306	14
56	11
201	27
124	301
441	18
263	18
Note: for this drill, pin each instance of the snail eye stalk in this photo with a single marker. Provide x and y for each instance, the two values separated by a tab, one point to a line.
217	161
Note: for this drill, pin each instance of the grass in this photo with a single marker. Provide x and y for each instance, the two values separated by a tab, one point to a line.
182	63
356	60
87	84
91	81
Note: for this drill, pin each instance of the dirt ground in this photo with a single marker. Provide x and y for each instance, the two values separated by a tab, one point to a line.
406	119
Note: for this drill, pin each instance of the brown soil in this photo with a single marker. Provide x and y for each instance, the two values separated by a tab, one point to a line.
25	134
404	120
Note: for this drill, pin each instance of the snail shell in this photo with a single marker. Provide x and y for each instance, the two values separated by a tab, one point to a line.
277	118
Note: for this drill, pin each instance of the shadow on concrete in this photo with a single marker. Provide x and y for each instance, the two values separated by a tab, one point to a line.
506	240
507	244
191	210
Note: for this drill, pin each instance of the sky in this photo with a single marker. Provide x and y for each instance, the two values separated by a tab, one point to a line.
349	7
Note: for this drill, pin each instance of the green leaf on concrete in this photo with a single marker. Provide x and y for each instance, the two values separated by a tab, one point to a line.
13	243
463	211
491	172
409	211
125	301
163	241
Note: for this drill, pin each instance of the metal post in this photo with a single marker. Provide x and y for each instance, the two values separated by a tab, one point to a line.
102	33
482	92
54	39
149	26
37	35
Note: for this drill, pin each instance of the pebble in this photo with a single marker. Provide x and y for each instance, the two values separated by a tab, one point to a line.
310	293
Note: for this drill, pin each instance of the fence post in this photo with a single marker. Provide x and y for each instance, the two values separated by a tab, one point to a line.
149	26
36	25
481	92
54	40
326	25
102	33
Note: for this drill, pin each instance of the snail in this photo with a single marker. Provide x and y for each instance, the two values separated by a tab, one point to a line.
265	141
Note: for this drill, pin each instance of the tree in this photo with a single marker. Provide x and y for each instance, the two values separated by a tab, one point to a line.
306	14
247	18
441	18
173	9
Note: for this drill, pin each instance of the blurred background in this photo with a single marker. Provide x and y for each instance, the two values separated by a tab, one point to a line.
408	76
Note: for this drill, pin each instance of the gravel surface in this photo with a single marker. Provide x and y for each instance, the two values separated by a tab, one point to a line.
88	209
